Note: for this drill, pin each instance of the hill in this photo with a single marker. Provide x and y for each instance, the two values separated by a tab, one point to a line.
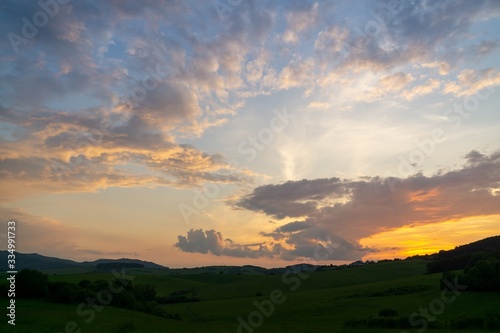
40	262
487	245
36	261
464	256
145	264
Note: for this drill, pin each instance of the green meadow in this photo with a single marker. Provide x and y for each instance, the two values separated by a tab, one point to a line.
321	301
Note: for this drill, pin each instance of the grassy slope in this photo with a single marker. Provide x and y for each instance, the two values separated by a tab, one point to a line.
321	303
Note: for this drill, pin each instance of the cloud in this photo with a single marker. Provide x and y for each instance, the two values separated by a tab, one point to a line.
297	72
421	90
293	198
282	232
391	84
442	66
293	226
168	103
349	210
300	243
300	17
471	81
213	61
392	37
396	81
319	105
155	82
64	151
332	40
321	245
211	241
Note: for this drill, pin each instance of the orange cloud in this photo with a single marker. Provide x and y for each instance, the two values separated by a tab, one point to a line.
68	152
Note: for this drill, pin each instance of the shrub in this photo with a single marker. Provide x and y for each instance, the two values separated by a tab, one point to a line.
467	323
155	309
446	277
492	321
144	292
388	313
31	283
62	292
84	283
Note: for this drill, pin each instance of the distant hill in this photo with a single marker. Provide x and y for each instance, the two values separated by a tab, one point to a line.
36	261
490	244
146	264
39	262
464	256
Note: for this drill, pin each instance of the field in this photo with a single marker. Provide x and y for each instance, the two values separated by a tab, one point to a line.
296	302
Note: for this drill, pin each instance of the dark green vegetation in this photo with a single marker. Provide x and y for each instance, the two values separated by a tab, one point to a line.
464	256
119	292
388	296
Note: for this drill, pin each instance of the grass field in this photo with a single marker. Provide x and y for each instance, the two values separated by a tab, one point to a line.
306	302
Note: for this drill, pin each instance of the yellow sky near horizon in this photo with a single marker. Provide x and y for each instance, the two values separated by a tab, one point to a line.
423	239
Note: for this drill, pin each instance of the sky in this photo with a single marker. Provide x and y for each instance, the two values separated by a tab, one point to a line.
237	132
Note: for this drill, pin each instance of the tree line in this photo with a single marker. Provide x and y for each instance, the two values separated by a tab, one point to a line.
33	284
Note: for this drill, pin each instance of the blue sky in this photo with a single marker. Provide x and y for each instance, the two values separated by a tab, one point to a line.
195	132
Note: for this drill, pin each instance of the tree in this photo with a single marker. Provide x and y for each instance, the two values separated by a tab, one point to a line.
447	278
484	275
194	292
144	292
31	283
84	283
62	292
388	313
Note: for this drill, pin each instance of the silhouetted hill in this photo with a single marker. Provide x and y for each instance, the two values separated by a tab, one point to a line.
490	244
36	261
40	262
116	262
464	256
